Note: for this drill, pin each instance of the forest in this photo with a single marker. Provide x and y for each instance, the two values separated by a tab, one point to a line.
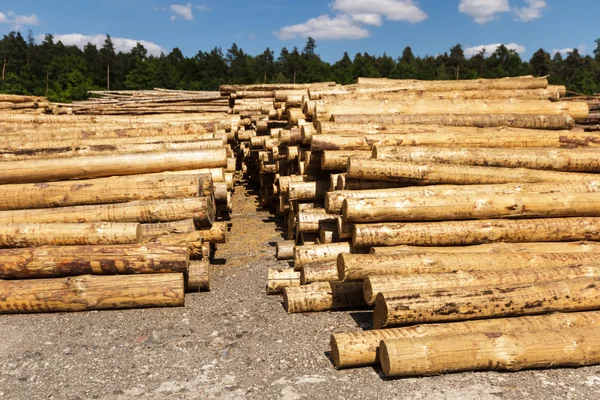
66	73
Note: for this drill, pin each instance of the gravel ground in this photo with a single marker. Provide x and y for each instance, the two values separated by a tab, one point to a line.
232	343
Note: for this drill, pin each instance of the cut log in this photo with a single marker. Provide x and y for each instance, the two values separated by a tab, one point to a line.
201	209
468	303
354	267
89	292
319	272
451	208
334	201
319	253
432	174
280	278
218	233
358	349
35	235
464	233
60	261
490	351
571	160
531	121
550	247
197	278
525	82
375	284
323	296
168	228
285	250
192	240
337	160
98	166
308	191
312	221
119	189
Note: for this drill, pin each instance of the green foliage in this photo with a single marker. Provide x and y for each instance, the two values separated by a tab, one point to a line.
66	73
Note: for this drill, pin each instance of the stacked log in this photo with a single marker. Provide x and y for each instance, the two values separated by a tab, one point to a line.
106	209
423	176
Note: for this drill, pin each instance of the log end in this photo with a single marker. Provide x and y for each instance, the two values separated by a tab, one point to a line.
198	277
384	358
335	352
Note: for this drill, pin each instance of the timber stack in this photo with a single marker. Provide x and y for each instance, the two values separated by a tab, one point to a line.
467	206
112	211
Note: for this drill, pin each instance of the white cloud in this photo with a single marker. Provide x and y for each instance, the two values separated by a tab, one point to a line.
533	10
27	20
202	7
490	48
121	44
563	52
181	11
370	12
323	27
483	11
3	18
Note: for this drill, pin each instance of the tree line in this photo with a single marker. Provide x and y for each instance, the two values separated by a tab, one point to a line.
65	73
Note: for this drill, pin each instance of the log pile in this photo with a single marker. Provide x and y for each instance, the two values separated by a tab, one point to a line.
13	103
108	212
452	203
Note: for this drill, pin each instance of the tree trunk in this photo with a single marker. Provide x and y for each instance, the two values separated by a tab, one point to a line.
522	82
457	304
35	235
337	160
218	233
308	191
550	247
280	278
358	349
520	274
201	209
433	174
323	296
89	292
319	253
99	166
312	221
56	262
319	272
464	233
475	206
285	250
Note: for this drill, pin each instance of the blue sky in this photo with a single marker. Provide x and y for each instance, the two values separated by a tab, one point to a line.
374	26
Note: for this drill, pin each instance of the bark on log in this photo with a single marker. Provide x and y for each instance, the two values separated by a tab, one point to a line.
468	303
308	191
337	160
490	351
285	250
312	221
550	247
319	253
115	189
192	241
167	228
218	233
525	82
358	349
355	267
197	278
201	209
334	201
432	174
319	272
463	233
60	261
89	292
98	166
571	160
280	278
475	206
538	121
375	284
323	296
35	235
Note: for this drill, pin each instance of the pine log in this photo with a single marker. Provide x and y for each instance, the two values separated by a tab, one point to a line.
285	250
218	233
463	233
345	183
550	247
468	303
524	82
337	160
319	272
60	261
197	277
192	241
431	174
280	278
527	121
334	201
319	253
490	351
475	206
355	267
374	284
90	292
327	233
98	166
358	349
323	296
312	221
201	209
35	235
308	191
115	189
572	160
